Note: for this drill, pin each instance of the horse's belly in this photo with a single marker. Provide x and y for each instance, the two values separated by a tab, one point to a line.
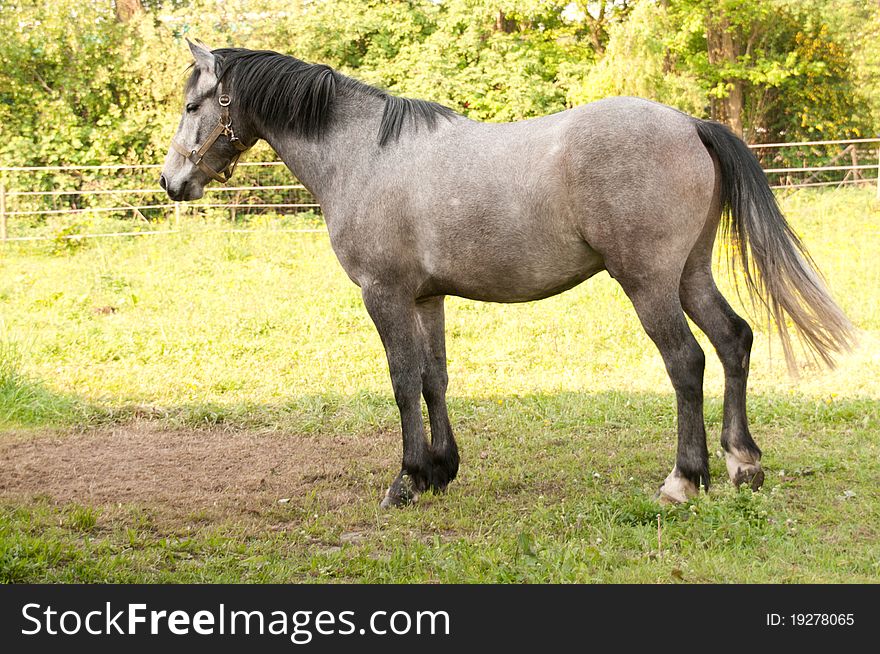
507	273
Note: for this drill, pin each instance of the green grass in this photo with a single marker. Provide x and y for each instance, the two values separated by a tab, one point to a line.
562	409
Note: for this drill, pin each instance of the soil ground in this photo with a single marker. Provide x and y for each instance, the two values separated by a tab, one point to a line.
185	471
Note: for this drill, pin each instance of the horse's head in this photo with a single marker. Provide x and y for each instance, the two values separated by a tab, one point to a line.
211	134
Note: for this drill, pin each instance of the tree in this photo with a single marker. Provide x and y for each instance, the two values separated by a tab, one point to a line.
637	61
775	69
108	90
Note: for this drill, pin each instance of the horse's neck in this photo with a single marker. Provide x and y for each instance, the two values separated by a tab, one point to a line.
324	165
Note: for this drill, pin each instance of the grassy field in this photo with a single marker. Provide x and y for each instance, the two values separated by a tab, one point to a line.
204	407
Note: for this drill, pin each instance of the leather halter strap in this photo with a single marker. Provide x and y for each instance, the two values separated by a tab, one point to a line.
223	128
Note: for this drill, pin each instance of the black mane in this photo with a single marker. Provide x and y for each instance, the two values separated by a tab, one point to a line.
284	91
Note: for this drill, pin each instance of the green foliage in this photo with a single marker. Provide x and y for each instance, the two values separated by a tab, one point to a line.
65	239
638	61
78	86
97	93
487	73
867	66
797	75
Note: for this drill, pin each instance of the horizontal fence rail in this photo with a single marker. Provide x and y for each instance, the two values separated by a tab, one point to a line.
802	143
208	189
244	164
851	151
79	190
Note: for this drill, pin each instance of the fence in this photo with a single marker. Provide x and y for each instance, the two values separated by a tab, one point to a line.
81	186
856	150
845	166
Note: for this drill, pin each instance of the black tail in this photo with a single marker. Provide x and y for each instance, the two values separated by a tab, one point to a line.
777	267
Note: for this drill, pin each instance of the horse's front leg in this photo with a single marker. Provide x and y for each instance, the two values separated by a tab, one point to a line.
394	314
444	451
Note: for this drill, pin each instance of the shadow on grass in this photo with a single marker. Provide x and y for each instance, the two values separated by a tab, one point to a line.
29	402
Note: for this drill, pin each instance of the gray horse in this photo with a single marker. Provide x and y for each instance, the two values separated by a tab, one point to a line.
421	203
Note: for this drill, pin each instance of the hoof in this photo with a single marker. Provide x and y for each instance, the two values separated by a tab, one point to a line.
751	475
742	471
444	468
676	489
401	493
408	485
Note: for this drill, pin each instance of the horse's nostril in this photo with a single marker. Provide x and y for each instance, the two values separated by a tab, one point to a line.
162	182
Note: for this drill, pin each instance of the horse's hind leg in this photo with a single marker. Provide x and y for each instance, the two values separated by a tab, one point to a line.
731	337
657	303
444	451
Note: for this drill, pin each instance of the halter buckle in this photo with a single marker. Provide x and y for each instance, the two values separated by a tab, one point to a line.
196	156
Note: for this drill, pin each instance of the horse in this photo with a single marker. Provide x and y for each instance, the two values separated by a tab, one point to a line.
421	202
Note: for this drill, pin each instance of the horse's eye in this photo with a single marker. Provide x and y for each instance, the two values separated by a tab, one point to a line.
191	108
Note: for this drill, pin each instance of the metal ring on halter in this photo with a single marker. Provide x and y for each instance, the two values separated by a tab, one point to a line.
224	127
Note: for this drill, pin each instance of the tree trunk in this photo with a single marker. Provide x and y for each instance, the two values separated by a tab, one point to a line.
596	25
128	9
724	48
504	24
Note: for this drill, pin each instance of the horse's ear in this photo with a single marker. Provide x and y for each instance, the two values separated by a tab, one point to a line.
203	56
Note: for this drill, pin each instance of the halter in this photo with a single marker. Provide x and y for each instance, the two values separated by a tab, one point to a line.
224	128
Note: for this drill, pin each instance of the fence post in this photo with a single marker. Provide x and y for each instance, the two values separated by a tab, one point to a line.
177	215
2	212
878	171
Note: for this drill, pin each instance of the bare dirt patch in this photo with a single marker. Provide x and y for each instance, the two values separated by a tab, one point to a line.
185	472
